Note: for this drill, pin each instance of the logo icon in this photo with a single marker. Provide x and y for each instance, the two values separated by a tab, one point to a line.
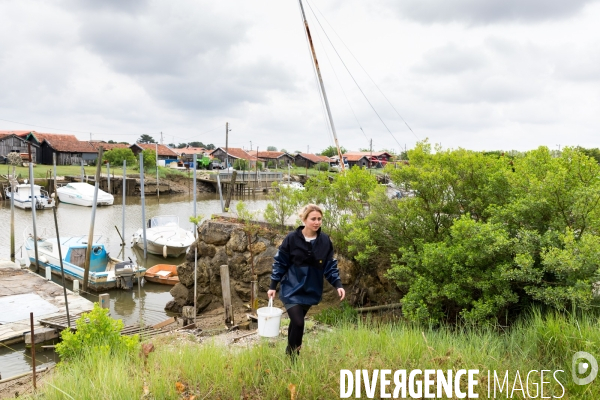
580	367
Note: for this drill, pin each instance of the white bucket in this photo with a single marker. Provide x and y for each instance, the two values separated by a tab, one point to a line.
269	319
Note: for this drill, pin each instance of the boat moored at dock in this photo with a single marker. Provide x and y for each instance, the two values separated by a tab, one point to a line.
105	272
164	237
82	194
22	196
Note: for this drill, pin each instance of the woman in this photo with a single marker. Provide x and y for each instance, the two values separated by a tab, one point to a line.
304	258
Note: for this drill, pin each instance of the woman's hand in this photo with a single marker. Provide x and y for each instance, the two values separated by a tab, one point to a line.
271	293
341	293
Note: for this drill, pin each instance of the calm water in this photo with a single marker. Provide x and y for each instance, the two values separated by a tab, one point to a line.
75	221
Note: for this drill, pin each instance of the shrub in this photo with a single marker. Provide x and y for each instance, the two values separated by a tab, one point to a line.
96	332
322	166
240	164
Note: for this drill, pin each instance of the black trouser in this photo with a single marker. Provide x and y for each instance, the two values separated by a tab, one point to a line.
296	313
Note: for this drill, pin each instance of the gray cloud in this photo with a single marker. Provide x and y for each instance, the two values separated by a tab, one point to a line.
487	11
451	59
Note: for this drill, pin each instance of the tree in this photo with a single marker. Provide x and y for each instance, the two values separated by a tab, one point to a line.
111	142
197	144
240	164
149	158
283	203
146	139
181	145
332	151
271	148
172	145
116	156
210	146
283	150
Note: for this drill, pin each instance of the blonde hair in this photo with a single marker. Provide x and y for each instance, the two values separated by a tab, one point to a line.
308	209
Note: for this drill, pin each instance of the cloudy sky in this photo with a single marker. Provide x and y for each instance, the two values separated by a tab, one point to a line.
494	74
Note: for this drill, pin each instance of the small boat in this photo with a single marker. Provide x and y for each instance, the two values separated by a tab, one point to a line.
82	194
105	272
164	237
162	273
22	195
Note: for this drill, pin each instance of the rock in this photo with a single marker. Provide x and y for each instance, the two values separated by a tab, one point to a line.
238	241
243	291
172	306
216	232
181	294
346	267
207	250
220	258
258	247
263	263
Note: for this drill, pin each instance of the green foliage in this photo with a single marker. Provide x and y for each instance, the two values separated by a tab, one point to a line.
196	220
240	164
117	156
271	148
96	333
283	203
344	314
332	151
149	158
271	164
322	166
259	165
244	213
146	139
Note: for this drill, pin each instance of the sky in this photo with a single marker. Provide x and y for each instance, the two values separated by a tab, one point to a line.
480	75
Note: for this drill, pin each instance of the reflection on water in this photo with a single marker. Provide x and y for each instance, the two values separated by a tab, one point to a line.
75	221
16	359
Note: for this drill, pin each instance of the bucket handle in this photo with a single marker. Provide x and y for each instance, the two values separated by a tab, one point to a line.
270	303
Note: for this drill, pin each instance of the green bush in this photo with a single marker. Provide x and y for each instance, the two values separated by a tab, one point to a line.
96	332
322	166
116	157
240	164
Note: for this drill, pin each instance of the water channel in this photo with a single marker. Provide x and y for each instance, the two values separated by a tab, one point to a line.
75	221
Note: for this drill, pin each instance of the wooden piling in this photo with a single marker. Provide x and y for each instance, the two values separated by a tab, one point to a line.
12	216
88	258
231	187
62	269
32	346
33	202
226	289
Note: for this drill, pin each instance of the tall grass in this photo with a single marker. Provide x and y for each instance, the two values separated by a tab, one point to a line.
262	371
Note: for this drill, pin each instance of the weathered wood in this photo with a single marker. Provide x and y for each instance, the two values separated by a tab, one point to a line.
377	308
231	188
226	289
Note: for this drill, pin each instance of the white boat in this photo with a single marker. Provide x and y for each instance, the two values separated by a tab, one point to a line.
22	195
82	194
164	237
105	272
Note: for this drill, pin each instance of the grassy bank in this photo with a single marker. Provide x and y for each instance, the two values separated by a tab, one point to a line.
41	171
263	371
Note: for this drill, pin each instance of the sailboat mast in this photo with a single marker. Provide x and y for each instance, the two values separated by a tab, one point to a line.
314	55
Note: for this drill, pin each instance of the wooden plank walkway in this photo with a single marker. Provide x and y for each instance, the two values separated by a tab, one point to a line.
59	322
15	281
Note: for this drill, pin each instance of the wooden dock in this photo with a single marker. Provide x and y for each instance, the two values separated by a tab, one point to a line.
21	292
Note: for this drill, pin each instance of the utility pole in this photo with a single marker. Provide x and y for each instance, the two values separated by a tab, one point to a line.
251	146
307	148
90	136
227	145
161	138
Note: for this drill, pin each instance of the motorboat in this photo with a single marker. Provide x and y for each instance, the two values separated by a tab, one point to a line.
82	194
105	271
164	237
165	274
22	196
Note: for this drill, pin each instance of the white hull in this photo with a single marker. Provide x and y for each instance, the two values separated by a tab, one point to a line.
167	240
22	197
82	194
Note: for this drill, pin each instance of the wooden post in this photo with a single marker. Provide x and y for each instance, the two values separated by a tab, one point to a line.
12	216
32	348
254	295
220	192
108	173
143	205
82	171
104	300
231	186
55	185
226	288
124	186
157	183
88	258
188	313
62	269
33	203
